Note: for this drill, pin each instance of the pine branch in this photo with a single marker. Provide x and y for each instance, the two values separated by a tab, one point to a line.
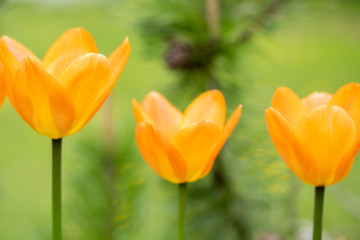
222	181
260	21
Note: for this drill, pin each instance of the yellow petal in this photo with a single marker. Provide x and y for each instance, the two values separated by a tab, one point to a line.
288	104
154	148
85	82
282	135
117	62
40	100
139	113
345	165
208	105
326	135
196	143
348	98
178	163
118	59
12	52
228	129
4	76
73	44
231	123
18	50
316	99
163	114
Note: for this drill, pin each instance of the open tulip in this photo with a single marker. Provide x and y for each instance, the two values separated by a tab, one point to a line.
317	136
182	147
59	95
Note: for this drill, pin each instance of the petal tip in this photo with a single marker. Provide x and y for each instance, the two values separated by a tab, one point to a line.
78	29
154	94
135	102
4	37
215	92
238	109
100	56
126	43
282	88
354	83
271	111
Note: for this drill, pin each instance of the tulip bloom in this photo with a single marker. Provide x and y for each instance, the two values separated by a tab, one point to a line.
58	95
317	136
182	147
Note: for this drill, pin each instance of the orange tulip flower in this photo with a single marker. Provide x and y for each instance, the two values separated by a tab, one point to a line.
182	147
317	136
60	94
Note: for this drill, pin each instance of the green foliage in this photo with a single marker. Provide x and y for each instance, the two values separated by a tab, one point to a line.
180	31
104	191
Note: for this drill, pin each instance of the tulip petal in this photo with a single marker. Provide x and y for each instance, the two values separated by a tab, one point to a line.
118	60
139	113
288	104
196	143
12	52
228	129
46	109
154	148
326	135
3	80
348	98
345	96
316	99
208	105
163	114
73	44
345	165
85	81
282	135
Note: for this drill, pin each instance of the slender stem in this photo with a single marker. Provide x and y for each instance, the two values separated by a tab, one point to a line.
181	219
56	188
318	212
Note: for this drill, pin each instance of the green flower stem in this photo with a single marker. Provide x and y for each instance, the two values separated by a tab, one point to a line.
181	219
318	212
56	188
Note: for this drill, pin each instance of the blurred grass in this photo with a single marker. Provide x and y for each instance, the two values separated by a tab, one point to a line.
315	49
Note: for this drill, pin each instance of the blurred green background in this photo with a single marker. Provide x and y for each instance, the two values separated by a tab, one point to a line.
113	194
